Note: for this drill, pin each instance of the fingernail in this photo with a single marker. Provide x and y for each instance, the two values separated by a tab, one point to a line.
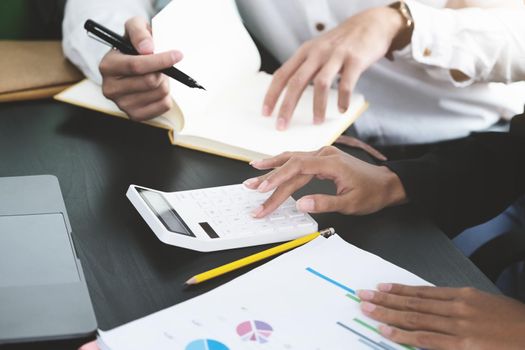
318	120
250	182
263	187
145	46
176	56
367	307
281	124
266	111
384	287
365	294
254	162
342	109
305	205
257	211
385	330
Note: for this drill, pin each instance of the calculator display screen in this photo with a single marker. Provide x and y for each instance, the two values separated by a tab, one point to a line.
165	212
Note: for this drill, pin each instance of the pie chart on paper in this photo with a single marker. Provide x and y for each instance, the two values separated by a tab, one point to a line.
257	331
206	344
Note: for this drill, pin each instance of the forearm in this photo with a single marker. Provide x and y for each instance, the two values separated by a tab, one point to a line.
85	52
468	45
459	4
467	182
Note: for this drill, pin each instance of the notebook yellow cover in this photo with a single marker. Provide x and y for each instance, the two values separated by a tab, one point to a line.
226	118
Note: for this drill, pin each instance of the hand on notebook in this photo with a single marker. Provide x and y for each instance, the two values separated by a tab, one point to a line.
348	49
134	82
446	318
362	188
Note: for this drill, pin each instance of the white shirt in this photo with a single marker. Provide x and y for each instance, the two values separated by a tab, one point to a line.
413	99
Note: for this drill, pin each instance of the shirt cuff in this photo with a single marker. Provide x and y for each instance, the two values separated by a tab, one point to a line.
85	52
434	44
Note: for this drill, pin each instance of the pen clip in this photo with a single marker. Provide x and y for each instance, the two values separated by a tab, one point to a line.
94	37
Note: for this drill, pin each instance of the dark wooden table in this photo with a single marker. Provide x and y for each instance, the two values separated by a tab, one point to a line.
130	273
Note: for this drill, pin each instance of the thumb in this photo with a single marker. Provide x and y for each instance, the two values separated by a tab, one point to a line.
320	203
139	33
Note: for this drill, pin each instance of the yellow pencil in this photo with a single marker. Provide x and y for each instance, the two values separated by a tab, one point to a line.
234	265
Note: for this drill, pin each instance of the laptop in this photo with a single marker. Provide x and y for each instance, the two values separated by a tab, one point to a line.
43	292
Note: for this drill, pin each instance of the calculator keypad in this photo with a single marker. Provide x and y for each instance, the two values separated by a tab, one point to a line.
228	210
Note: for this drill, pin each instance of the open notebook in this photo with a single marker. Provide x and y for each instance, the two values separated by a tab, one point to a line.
304	299
226	118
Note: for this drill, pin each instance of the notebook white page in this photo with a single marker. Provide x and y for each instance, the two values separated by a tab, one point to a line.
301	300
217	49
235	118
220	54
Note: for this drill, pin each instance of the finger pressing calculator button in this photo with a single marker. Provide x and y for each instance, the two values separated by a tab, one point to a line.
225	213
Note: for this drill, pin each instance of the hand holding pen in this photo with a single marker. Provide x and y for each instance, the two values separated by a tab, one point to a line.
135	82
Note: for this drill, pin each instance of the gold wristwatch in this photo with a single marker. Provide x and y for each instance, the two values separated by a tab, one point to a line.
405	35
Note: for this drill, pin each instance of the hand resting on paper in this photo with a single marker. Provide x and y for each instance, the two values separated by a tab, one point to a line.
348	49
89	346
362	188
134	82
446	318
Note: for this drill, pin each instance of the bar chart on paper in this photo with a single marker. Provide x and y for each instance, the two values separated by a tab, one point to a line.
303	300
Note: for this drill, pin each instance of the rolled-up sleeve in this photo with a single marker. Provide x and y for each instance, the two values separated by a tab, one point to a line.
82	50
485	44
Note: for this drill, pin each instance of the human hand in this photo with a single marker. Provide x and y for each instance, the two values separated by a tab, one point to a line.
348	49
89	346
446	318
135	83
356	143
362	188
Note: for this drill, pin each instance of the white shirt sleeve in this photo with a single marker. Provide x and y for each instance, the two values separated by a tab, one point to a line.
484	44
85	52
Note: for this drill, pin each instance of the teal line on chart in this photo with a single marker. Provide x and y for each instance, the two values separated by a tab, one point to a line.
326	278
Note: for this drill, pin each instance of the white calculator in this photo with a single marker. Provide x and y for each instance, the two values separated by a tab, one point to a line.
217	218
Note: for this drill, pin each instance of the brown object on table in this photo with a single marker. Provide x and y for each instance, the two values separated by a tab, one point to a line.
31	70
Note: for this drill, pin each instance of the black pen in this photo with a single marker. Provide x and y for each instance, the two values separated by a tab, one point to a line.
125	46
